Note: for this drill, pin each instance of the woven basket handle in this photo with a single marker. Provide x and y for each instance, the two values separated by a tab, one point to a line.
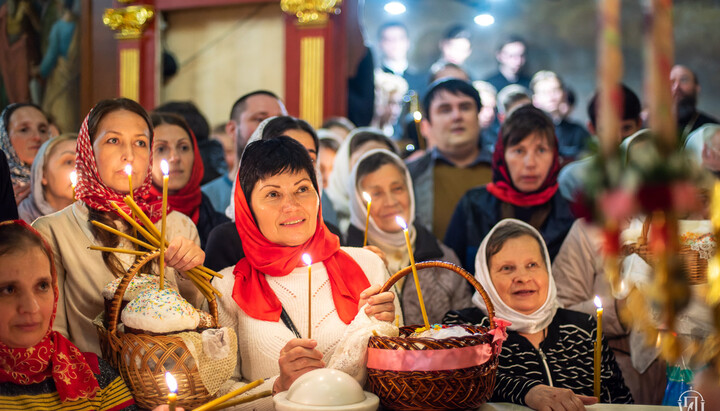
114	313
452	267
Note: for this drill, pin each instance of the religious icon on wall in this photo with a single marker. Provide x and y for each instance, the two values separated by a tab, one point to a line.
40	58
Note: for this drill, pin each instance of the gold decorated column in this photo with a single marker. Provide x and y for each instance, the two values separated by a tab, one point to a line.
130	23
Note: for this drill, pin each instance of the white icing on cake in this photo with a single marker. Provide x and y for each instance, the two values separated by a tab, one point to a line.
139	283
163	311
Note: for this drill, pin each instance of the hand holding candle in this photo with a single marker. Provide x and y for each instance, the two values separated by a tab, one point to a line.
308	262
368	200
73	182
404	226
598	348
172	386
166	170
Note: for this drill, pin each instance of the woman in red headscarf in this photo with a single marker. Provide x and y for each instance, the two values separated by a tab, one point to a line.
174	142
115	133
525	169
265	296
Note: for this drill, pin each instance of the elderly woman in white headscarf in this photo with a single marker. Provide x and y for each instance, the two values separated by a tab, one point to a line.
703	145
547	359
383	176
50	185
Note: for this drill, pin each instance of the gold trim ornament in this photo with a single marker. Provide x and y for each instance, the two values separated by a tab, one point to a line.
128	22
311	12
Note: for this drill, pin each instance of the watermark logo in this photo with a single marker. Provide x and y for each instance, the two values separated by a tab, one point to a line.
691	400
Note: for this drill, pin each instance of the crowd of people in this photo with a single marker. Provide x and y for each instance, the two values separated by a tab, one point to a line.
491	191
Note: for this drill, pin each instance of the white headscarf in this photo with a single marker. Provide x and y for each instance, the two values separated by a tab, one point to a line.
525	323
337	188
393	244
697	139
256	136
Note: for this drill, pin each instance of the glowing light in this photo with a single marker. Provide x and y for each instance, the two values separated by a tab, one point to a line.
395	8
367	197
171	382
73	178
128	169
399	220
417	116
410	147
165	167
484	20
597	302
306	259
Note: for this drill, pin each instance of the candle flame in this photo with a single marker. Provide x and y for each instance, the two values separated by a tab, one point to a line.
164	167
171	383
597	302
73	177
367	197
399	220
128	169
417	116
306	259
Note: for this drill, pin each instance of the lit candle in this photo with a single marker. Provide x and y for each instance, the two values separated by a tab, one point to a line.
417	117
166	170
598	347
172	386
404	226
73	182
368	200
308	262
128	171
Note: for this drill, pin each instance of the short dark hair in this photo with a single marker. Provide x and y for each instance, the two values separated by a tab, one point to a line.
265	158
457	31
511	38
279	125
507	232
192	115
525	121
11	108
373	162
343	122
108	106
330	143
160	118
631	106
388	25
452	86
240	104
365	136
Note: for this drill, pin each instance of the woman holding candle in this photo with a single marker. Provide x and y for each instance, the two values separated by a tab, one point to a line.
23	129
525	169
548	356
383	176
174	141
115	133
266	300
51	188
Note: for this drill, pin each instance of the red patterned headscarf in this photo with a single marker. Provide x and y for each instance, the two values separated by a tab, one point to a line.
96	194
187	200
53	357
503	188
253	293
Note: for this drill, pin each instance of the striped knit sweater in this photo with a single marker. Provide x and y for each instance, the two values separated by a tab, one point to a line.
114	394
564	359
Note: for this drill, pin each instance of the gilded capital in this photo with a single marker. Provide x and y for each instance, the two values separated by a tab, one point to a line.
128	22
311	12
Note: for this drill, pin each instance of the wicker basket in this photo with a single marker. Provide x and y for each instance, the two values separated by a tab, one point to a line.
445	389
694	266
143	359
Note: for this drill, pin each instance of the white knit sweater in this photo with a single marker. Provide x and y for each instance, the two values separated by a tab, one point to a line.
260	342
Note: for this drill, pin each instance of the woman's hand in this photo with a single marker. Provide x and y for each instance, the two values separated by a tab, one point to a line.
545	398
379	253
183	254
296	358
380	305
